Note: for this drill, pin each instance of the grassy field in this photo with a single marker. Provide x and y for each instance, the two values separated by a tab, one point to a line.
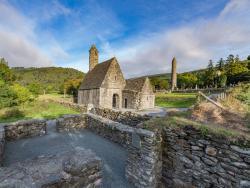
37	109
175	100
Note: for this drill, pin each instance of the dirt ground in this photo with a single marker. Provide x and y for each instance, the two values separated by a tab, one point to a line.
209	113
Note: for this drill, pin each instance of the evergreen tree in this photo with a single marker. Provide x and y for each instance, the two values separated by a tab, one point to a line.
237	59
230	59
220	64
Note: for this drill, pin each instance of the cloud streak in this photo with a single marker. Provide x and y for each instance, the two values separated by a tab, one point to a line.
193	44
18	38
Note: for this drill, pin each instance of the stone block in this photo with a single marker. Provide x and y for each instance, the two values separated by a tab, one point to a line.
78	168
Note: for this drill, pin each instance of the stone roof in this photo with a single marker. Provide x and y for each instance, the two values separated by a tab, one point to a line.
135	84
94	78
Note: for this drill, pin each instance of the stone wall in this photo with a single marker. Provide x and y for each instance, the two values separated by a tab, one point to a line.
143	168
191	159
144	164
24	128
70	122
114	131
79	107
78	168
90	96
2	143
127	117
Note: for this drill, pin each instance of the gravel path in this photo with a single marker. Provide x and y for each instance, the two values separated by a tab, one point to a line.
113	156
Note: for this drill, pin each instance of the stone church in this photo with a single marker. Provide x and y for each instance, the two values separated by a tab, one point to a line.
104	86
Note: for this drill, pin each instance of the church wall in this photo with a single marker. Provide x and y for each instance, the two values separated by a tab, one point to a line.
132	97
91	96
106	97
114	78
146	101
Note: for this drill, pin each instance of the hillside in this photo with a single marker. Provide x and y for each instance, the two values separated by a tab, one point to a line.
50	78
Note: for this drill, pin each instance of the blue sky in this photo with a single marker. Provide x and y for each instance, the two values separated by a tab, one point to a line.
144	35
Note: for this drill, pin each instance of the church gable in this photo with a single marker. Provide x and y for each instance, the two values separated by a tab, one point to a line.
147	87
114	77
94	78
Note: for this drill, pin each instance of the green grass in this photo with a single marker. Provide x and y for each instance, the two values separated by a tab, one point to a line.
175	100
37	109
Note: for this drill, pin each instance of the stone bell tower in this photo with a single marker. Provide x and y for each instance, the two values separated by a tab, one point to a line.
93	57
174	75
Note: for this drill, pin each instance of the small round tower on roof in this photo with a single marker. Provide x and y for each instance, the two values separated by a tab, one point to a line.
93	57
174	75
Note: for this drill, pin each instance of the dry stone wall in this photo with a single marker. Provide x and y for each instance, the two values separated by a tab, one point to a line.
70	122
79	168
191	159
143	168
24	128
2	143
127	117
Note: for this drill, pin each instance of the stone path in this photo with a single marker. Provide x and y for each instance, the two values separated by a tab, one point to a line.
159	111
113	156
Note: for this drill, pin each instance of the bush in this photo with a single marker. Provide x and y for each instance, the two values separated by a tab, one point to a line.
14	112
8	97
23	94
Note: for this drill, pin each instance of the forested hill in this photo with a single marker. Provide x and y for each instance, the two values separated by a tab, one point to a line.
49	78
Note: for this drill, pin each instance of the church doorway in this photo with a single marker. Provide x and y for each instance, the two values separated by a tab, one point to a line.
115	102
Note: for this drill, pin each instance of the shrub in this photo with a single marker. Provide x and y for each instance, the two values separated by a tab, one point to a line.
8	97
14	112
23	94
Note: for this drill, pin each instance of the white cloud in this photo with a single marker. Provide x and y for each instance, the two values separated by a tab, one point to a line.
19	52
22	44
192	44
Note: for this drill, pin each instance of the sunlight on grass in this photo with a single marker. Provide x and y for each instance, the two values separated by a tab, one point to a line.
175	100
37	109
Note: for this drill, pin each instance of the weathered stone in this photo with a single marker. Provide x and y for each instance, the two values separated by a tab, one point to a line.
215	165
2	143
240	164
244	184
242	151
24	129
71	122
76	168
211	151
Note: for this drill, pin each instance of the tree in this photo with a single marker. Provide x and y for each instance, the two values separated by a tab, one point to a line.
187	80
222	80
230	59
8	97
35	88
220	64
23	94
155	82
237	59
71	86
3	61
164	84
248	58
5	72
210	74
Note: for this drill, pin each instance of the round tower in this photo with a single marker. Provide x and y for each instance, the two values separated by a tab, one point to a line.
174	75
93	57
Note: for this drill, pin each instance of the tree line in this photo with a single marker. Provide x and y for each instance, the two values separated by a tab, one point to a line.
20	86
220	74
223	73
